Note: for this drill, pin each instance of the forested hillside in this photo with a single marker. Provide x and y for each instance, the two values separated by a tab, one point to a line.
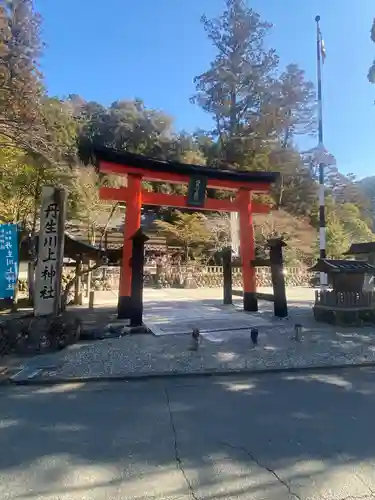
259	110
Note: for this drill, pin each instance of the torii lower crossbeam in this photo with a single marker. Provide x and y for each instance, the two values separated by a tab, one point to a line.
179	201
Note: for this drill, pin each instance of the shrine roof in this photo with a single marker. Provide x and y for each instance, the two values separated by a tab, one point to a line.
361	248
343	266
152	164
72	248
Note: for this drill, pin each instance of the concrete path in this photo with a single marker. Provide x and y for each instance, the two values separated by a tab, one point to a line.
269	438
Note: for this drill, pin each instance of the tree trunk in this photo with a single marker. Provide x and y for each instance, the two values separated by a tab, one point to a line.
281	191
231	154
105	229
72	281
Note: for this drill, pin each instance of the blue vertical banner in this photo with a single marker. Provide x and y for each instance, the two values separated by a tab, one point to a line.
8	260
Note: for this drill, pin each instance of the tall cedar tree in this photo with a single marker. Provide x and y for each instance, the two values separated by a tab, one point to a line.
21	90
237	84
255	111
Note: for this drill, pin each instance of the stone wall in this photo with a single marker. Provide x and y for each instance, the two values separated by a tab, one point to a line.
198	276
107	278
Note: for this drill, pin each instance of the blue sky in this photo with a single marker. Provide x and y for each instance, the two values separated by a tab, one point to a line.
152	49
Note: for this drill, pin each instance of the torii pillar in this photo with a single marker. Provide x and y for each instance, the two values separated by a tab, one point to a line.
247	250
132	224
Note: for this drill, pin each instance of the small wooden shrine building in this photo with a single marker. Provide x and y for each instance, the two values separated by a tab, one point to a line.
346	298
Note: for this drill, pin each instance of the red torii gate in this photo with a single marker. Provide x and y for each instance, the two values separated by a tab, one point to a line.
138	168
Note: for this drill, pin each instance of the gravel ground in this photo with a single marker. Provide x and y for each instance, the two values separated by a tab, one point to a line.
176	311
144	354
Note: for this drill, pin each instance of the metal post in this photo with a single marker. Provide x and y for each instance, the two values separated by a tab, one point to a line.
322	219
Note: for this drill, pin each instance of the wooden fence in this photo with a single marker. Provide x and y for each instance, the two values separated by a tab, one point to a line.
345	300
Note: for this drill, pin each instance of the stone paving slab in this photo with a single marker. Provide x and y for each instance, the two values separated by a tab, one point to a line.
229	321
174	311
209	315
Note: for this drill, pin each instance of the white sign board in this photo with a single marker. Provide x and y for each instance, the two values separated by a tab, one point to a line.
235	233
50	252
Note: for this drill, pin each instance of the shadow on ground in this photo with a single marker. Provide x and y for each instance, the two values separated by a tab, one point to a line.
274	437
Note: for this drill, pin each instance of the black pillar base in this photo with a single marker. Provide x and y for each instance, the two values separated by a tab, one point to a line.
281	310
136	319
124	308
227	299
250	301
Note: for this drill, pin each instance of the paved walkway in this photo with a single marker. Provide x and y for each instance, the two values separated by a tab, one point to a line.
225	345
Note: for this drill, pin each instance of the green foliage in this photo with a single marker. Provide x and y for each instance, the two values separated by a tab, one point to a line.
62	129
294	105
337	240
367	188
345	225
234	88
21	90
85	201
354	226
254	110
21	179
257	108
188	229
127	125
15	203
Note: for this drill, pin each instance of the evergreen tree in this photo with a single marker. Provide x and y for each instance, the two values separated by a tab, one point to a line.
21	90
237	85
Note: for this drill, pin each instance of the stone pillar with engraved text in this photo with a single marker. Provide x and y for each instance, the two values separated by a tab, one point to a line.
50	252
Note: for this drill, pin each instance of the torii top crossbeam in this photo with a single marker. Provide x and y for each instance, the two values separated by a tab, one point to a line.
140	168
128	164
123	162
